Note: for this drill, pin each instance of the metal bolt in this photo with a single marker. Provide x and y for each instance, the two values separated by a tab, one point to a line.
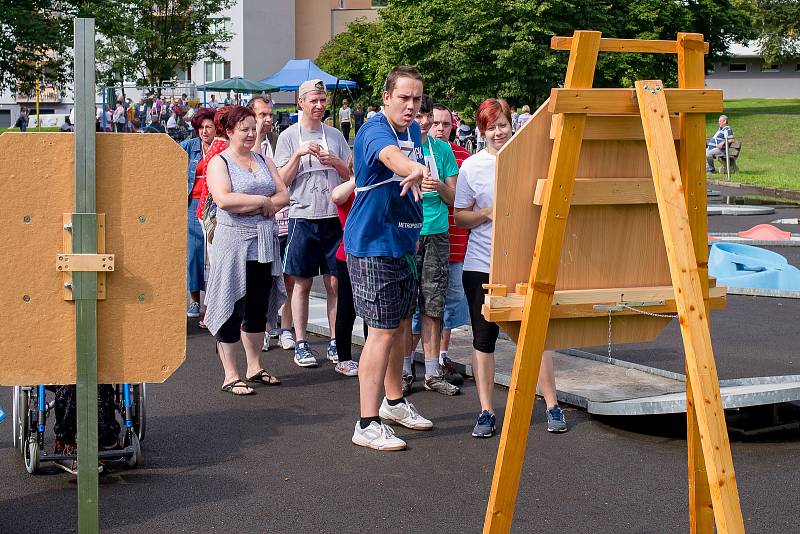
26	298
26	219
68	285
141	298
68	227
141	218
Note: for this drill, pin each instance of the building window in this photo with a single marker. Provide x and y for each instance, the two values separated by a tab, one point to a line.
217	71
219	24
737	67
797	67
770	67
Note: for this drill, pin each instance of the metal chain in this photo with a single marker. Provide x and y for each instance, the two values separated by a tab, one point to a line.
643	312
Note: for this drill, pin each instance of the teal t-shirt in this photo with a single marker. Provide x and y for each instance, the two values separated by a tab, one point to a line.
434	210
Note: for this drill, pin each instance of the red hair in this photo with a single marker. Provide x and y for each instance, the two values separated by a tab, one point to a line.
218	118
236	115
489	110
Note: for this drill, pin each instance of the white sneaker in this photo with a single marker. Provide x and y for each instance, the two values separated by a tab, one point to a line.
265	346
347	368
404	414
286	339
377	436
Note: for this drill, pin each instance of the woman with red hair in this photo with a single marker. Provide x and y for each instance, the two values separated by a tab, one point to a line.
474	205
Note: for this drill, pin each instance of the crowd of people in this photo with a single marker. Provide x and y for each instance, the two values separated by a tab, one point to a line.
399	227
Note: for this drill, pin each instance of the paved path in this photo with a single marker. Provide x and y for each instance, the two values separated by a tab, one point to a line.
281	461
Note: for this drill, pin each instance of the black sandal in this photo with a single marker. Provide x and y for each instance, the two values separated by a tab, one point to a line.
259	378
229	387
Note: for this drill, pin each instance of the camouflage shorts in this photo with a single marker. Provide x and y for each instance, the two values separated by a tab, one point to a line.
433	254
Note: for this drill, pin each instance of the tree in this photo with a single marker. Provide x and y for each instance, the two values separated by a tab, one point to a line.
35	37
469	50
147	40
779	30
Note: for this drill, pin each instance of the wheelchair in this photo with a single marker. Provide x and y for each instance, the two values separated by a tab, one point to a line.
29	421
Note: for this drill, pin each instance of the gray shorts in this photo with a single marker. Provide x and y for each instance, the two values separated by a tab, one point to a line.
433	254
384	289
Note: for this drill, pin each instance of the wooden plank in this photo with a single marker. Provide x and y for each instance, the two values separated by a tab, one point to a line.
85	262
691	157
578	311
66	247
605	191
693	319
628	45
621	101
597	296
615	127
542	280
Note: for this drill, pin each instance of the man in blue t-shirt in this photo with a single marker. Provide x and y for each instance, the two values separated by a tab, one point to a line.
716	145
380	239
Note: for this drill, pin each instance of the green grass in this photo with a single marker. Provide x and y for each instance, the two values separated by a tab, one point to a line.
767	130
42	129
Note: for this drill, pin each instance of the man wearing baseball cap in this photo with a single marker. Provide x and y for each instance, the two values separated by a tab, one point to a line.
312	158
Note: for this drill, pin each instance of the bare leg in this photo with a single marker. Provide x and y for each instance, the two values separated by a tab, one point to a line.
394	371
431	337
194	296
227	355
483	369
286	309
372	369
302	287
252	350
414	342
444	345
547	379
332	292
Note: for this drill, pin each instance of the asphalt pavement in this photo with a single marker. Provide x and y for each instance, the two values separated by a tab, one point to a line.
282	461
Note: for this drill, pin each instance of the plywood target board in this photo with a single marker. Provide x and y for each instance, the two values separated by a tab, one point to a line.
613	237
141	323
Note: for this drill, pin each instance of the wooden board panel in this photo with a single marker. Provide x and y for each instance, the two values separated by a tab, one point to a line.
615	127
605	191
627	45
139	340
619	101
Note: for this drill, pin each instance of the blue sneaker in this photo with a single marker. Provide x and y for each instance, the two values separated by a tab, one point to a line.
303	355
485	426
555	420
332	353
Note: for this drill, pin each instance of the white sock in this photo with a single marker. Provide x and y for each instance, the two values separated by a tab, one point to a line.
431	368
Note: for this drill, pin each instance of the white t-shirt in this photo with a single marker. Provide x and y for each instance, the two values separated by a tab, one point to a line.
475	189
171	122
344	115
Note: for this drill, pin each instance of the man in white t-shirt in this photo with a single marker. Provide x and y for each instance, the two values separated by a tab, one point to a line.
345	114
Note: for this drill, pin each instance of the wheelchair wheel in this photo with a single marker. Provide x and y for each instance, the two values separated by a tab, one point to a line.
20	417
31	455
132	439
139	410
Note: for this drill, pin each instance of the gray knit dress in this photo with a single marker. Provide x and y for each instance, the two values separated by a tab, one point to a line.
237	239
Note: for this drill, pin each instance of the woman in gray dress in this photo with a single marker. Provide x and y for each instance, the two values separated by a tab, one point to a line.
245	286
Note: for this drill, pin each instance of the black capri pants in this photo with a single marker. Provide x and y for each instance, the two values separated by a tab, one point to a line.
250	312
484	333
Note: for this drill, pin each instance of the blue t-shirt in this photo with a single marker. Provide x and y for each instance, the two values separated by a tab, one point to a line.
381	222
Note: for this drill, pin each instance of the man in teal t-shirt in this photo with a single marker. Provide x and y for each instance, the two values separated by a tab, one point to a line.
433	253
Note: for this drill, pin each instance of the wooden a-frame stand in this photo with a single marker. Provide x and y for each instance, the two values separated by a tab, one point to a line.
679	181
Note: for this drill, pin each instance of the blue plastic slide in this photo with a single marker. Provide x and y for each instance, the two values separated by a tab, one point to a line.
746	266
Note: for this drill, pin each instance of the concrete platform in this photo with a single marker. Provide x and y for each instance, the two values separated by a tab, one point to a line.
756	367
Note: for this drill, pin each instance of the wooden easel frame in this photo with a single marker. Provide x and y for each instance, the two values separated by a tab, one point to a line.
680	187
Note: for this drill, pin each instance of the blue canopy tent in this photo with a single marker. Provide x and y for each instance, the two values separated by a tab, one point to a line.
296	71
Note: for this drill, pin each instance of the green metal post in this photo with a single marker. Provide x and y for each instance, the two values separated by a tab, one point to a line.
84	284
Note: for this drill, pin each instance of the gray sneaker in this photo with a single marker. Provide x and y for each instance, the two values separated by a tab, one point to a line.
438	384
193	310
377	436
303	355
408	379
555	420
485	426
